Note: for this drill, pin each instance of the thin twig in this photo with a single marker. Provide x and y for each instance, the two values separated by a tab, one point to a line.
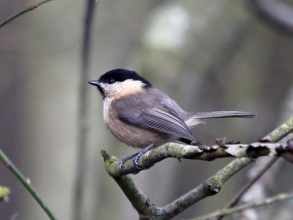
30	8
268	201
239	195
237	198
82	118
274	136
26	184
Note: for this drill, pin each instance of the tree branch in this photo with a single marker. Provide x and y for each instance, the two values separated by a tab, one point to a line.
268	201
149	211
237	198
30	8
210	187
220	150
139	201
173	150
274	136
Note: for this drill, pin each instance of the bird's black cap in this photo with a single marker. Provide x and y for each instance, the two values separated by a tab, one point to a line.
120	75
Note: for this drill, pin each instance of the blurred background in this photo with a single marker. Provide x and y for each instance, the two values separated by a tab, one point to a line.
206	54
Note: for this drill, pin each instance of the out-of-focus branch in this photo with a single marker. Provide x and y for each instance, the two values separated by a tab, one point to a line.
268	201
26	184
275	13
237	198
274	136
82	114
30	8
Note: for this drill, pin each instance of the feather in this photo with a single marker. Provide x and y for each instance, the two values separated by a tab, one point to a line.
223	114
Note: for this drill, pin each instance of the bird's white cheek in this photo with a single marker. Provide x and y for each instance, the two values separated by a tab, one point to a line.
113	90
107	102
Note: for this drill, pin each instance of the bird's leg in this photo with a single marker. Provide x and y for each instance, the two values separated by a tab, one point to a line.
135	157
139	154
122	161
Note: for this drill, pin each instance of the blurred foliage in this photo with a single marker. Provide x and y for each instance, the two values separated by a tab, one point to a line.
4	193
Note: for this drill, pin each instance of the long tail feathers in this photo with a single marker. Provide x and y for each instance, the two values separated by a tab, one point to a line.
223	114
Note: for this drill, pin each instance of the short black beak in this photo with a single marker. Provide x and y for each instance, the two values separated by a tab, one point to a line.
94	82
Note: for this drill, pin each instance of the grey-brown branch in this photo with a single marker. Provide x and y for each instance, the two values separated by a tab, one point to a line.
147	210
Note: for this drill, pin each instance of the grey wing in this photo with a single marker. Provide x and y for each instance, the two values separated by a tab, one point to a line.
162	119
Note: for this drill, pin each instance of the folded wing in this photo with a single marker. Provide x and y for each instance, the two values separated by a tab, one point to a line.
162	119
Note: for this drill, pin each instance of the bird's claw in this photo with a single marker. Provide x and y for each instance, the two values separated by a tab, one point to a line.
121	164
135	158
135	161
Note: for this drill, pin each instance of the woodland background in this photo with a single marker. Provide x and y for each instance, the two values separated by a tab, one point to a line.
206	54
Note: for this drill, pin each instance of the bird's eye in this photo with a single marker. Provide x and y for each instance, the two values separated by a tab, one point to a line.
111	81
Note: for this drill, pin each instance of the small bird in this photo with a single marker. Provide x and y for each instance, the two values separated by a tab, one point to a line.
143	116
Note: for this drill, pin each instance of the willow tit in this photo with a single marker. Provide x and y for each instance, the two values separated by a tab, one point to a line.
142	116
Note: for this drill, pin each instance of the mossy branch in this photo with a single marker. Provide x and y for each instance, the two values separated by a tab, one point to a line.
210	187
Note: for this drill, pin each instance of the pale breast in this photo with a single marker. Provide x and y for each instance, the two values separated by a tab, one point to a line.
107	102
